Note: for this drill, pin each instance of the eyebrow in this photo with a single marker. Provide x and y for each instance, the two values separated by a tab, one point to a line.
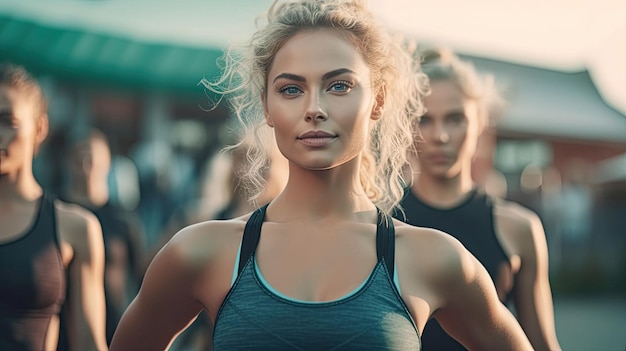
326	76
336	73
459	112
290	77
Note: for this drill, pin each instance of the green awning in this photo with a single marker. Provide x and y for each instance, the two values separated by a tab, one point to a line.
96	58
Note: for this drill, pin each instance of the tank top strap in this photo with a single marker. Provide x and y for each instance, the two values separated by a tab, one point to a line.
251	235
386	241
48	211
47	203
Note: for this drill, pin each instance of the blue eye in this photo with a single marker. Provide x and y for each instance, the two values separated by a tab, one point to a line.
290	90
340	87
8	123
457	118
424	121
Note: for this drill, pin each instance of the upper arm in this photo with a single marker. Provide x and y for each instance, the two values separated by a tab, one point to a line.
471	311
532	294
86	304
165	304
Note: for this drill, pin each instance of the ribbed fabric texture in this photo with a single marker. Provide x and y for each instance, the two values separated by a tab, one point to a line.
32	283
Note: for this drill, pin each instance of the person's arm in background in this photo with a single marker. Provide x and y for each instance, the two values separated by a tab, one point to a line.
531	289
85	303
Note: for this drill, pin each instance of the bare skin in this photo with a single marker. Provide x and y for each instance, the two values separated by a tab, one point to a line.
436	274
79	232
450	130
318	81
91	161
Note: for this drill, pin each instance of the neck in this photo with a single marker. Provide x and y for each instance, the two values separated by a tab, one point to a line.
321	195
90	193
19	186
443	191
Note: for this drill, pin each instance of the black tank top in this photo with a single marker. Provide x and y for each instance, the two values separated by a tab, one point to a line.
32	286
472	223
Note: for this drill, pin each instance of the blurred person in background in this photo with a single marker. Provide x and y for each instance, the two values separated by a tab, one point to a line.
323	266
505	237
227	169
51	252
124	241
228	198
155	166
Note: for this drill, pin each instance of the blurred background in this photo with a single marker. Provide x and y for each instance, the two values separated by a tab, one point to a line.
131	69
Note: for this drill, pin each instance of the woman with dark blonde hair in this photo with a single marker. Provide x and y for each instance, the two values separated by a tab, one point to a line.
505	237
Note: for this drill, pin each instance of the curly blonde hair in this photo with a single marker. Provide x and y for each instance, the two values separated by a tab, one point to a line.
394	74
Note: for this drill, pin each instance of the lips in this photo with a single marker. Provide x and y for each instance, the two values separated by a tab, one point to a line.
316	138
438	158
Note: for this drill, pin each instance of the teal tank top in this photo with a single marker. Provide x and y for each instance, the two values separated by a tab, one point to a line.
373	317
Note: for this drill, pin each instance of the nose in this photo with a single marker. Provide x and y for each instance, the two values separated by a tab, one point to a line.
315	112
441	134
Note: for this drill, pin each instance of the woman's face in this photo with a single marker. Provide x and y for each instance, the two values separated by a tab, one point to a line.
319	100
18	129
450	130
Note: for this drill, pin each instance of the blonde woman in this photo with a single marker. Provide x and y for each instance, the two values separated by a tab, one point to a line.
323	266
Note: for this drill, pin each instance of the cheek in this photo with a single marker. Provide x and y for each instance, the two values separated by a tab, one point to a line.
281	111
468	139
25	134
281	123
353	112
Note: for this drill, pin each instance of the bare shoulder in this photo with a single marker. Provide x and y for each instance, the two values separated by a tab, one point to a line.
422	238
432	252
516	222
77	226
202	241
73	214
515	213
198	255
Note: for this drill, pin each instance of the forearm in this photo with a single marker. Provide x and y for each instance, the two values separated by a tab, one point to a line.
86	318
507	334
537	322
83	335
535	310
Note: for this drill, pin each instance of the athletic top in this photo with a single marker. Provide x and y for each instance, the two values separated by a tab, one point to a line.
254	316
32	286
472	223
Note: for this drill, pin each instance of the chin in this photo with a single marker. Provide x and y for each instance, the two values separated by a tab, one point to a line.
440	174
